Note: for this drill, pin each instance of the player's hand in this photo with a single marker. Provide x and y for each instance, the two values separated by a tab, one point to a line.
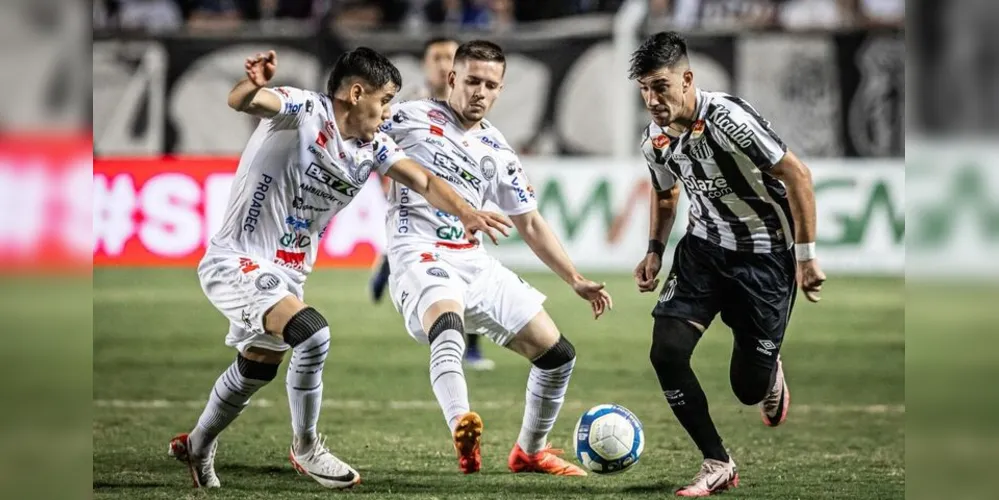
487	222
600	301
261	67
810	279
646	272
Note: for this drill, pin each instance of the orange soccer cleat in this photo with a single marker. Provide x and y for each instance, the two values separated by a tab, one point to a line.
546	461
467	437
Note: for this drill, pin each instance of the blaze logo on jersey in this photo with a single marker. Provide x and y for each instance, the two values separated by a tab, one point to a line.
739	133
297	222
715	187
660	141
293	260
328	178
437	117
246	265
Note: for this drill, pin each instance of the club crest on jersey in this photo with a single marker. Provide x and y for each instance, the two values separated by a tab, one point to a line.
361	173
660	141
701	151
267	281
437	117
488	166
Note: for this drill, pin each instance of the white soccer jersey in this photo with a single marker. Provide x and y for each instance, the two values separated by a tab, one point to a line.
295	174
479	164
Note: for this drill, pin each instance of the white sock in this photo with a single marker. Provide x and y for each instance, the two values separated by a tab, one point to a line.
231	393
304	383
545	395
447	376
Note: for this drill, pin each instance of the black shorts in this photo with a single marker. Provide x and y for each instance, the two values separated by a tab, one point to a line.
754	293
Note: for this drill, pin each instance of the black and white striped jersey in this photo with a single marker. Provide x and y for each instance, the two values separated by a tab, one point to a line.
723	161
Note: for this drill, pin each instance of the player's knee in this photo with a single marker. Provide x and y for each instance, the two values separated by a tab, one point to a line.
303	325
750	384
673	342
256	370
560	354
443	323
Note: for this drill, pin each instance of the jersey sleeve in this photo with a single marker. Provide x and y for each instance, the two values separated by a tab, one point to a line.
387	152
393	127
513	191
748	132
295	104
656	159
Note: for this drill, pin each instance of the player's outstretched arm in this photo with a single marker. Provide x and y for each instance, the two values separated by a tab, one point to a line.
439	194
543	242
246	96
661	217
801	196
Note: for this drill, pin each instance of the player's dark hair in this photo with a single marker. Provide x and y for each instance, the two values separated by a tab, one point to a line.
435	40
662	50
373	68
480	50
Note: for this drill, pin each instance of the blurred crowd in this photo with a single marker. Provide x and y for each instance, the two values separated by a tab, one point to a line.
490	15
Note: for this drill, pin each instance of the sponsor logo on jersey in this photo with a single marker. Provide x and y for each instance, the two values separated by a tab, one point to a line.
488	167
489	141
438	273
320	193
257	203
714	187
292	108
450	233
385	126
512	168
428	257
267	281
697	130
309	106
292	260
399	117
299	203
434	129
436	142
701	151
446	216
247	265
321	139
295	240
660	141
330	179
404	200
739	133
436	116
245	316
444	161
297	222
522	193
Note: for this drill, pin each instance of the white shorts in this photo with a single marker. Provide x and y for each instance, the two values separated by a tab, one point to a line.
244	288
497	302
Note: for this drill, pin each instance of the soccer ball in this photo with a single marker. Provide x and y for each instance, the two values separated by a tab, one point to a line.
609	439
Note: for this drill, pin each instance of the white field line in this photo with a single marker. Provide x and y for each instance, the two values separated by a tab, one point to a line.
423	404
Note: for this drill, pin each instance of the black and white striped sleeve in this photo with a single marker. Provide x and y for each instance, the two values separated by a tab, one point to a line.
748	132
655	159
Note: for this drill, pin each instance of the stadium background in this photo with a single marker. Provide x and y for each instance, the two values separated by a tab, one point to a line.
164	146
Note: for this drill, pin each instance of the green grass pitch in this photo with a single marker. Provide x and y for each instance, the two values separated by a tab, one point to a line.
158	348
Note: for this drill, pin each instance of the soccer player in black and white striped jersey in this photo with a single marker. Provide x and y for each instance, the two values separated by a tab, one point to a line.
749	244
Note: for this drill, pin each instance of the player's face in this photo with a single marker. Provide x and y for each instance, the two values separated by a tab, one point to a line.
475	85
665	93
371	108
437	63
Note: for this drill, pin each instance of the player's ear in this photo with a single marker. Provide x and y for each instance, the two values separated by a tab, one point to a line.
688	79
356	91
450	79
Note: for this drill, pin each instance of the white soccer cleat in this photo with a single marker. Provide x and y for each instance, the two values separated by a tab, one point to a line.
324	467
713	477
774	407
202	467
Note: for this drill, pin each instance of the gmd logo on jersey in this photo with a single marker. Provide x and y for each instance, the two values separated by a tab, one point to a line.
609	439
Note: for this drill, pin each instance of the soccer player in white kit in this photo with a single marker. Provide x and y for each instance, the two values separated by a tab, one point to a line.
310	155
441	279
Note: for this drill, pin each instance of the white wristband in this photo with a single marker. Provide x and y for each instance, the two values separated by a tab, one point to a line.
804	251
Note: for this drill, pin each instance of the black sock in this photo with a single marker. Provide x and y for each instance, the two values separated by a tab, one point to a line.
673	343
472	342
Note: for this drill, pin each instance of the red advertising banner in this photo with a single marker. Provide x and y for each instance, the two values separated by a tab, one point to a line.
163	212
45	202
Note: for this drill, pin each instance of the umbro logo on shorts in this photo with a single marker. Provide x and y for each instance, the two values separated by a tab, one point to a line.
766	347
438	272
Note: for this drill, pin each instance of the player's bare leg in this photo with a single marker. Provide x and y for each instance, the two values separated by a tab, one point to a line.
308	334
553	358
445	331
231	393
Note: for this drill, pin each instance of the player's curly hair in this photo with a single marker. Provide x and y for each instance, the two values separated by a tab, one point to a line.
370	66
661	50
